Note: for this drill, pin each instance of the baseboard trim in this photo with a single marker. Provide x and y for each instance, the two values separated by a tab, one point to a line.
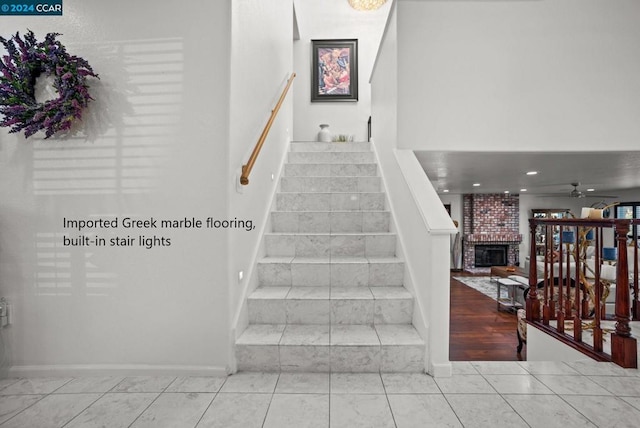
113	370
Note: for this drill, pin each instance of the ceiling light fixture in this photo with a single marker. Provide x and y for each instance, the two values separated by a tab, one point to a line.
591	190
532	172
523	190
366	4
476	184
445	191
506	192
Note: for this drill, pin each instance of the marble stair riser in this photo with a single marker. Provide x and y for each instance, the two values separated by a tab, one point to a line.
331	157
330	311
336	359
330	222
356	201
330	184
314	274
330	147
386	348
331	170
325	245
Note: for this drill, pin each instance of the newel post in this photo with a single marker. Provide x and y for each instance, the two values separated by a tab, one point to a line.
623	347
533	304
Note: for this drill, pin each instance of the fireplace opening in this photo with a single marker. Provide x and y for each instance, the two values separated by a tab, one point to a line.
490	255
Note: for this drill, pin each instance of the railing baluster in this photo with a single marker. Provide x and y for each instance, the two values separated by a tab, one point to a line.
576	292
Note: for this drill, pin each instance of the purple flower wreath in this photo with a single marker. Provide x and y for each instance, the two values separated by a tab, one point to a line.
26	60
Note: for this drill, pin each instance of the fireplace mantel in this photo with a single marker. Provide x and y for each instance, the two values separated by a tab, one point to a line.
493	238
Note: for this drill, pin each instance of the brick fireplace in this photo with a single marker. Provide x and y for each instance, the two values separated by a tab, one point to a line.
491	222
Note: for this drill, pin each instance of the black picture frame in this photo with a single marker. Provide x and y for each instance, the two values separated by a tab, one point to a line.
334	75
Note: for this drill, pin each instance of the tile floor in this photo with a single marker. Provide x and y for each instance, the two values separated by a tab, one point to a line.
479	394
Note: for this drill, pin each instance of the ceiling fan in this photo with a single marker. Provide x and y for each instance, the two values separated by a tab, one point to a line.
575	193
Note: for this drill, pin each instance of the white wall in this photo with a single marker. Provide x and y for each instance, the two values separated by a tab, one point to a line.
335	19
158	145
423	226
262	34
525	75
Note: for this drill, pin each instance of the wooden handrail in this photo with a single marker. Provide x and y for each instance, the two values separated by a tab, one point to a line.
246	169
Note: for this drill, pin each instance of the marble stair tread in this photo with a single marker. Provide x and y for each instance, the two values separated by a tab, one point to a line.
331	157
328	293
331	272
351	146
331	184
330	170
330	305
332	201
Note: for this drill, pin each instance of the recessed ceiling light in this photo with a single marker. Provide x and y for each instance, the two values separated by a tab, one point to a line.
591	190
506	191
445	191
532	172
476	184
523	190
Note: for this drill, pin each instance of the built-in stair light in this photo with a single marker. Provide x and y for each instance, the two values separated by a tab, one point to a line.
532	172
366	4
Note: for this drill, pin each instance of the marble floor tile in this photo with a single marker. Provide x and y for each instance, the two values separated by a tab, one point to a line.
303	383
113	410
236	411
595	368
298	411
605	411
251	382
360	410
517	384
52	411
548	367
498	367
572	385
480	411
197	384
416	411
556	414
356	383
144	384
175	410
464	384
7	382
634	401
11	405
463	367
90	384
35	386
620	386
398	334
409	383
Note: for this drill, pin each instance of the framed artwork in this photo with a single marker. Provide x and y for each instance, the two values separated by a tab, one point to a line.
334	75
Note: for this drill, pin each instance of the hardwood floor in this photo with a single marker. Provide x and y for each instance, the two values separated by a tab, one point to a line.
478	332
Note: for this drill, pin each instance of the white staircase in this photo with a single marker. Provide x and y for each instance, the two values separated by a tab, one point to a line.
331	295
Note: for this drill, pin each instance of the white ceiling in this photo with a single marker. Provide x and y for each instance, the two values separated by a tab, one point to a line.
497	172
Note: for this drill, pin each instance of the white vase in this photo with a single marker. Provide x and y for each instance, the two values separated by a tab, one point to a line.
324	136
